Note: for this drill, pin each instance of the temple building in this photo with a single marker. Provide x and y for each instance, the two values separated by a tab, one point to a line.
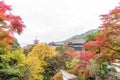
36	41
77	43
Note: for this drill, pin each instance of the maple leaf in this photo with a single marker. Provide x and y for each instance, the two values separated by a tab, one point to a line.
4	7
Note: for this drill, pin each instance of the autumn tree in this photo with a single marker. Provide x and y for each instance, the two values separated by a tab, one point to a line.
105	47
71	52
107	43
36	61
9	24
11	62
9	21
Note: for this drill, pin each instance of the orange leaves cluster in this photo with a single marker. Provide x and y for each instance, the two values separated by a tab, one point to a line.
100	40
5	39
5	36
71	52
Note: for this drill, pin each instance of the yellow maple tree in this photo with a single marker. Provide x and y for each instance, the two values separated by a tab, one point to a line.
36	60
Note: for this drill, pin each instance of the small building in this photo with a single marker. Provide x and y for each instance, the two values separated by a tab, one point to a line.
36	41
77	43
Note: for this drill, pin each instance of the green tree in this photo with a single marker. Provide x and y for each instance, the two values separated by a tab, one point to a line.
11	63
70	65
61	49
98	71
15	44
91	37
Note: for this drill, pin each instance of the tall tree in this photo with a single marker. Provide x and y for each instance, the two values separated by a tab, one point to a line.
36	59
108	42
106	46
11	62
9	24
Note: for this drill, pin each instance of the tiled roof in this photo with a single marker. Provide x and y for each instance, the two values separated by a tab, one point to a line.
77	40
68	75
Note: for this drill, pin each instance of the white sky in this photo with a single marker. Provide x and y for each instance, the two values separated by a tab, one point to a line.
57	20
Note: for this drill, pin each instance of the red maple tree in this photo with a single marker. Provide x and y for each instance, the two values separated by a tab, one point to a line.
107	44
9	23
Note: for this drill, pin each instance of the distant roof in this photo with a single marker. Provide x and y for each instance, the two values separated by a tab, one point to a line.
76	40
57	43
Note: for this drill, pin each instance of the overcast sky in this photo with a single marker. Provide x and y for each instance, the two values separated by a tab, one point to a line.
57	20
